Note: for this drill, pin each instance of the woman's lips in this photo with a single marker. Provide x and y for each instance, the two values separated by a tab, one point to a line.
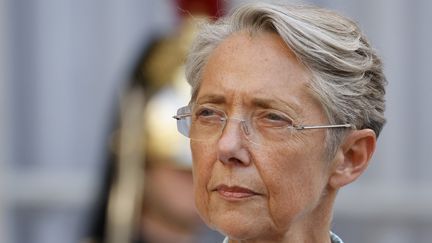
234	192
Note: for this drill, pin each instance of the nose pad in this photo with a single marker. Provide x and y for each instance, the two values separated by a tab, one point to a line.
245	128
227	128
246	131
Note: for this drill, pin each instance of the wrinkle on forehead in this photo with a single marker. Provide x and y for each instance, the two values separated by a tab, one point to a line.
245	69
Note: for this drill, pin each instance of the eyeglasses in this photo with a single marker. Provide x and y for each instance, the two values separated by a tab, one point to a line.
264	128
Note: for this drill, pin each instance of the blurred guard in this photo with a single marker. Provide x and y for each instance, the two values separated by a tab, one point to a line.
147	195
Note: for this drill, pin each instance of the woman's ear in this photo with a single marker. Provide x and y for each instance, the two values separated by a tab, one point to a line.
353	157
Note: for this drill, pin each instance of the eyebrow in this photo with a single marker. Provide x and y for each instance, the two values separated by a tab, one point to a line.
265	103
211	98
272	103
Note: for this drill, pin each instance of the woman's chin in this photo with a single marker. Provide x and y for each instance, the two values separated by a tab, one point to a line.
237	234
237	231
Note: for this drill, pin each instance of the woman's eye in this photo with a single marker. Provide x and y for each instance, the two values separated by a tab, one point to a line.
207	117
206	112
272	119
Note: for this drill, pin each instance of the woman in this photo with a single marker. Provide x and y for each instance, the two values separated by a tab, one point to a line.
287	104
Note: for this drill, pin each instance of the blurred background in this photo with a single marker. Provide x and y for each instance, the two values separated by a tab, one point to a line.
73	74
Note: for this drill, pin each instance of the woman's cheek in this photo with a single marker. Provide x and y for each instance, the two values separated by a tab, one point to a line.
279	170
202	162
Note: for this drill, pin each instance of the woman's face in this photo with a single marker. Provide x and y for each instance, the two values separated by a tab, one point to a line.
247	190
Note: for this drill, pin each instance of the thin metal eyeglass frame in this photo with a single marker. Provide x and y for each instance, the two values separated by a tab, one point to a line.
296	127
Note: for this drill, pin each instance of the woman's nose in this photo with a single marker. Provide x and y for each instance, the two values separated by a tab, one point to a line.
231	146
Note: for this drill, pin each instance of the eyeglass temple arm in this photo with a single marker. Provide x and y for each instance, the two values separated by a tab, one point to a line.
178	117
304	127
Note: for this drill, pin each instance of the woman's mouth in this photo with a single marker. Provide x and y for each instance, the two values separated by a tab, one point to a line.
235	192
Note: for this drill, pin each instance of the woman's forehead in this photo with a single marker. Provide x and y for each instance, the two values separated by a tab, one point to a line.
257	71
258	63
262	56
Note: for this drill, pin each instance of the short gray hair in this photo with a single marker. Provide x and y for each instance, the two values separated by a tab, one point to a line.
347	74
